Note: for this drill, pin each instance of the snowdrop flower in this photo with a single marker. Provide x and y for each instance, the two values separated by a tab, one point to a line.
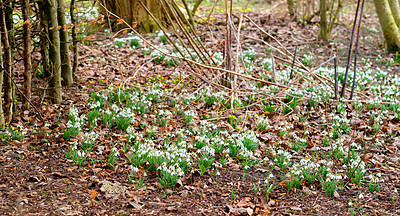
114	149
80	154
134	169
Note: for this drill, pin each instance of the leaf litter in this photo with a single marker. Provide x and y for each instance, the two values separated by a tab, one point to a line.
165	140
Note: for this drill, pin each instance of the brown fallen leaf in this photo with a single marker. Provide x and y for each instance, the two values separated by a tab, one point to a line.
97	170
244	203
93	194
283	183
134	205
171	208
250	211
174	197
16	143
130	194
310	144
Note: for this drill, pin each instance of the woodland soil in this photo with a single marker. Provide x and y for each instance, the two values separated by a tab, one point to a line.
37	179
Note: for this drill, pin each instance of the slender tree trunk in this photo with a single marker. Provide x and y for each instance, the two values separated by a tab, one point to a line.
66	71
388	24
2	121
196	6
327	23
9	10
27	52
8	93
74	39
44	37
190	14
324	33
291	8
334	14
55	57
395	8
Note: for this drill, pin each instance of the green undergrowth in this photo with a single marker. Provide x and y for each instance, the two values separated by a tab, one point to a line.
172	128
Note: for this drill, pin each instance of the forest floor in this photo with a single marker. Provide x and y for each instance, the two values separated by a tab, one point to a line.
37	178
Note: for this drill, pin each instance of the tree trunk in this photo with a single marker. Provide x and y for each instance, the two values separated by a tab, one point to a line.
327	22
27	52
388	24
2	121
55	58
9	10
190	14
132	12
74	39
291	8
8	93
196	6
324	33
44	41
395	8
66	71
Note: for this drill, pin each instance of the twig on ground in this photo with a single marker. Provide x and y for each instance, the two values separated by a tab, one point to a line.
294	60
283	90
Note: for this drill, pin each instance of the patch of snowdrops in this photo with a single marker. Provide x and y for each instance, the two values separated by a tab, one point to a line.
168	136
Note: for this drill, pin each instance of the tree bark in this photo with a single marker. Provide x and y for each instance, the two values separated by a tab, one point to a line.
55	57
9	10
2	121
44	40
74	39
66	71
27	52
395	8
324	33
291	8
196	6
133	13
327	22
8	93
190	14
388	25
